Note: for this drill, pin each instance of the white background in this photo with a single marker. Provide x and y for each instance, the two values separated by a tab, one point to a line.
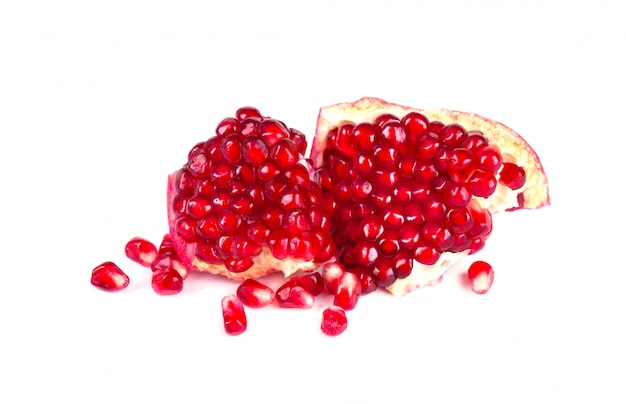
100	101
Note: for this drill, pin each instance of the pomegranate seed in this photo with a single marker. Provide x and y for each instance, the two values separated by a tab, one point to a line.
292	295
331	273
167	282
234	315
512	176
253	293
348	291
167	258
108	276
312	282
141	250
334	321
480	275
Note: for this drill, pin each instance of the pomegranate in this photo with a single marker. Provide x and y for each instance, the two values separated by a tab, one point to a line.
245	203
410	192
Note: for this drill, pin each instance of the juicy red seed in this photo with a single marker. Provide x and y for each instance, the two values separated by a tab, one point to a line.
108	276
291	200
238	265
392	217
393	132
267	170
363	136
312	282
488	159
331	273
299	139
248	112
292	295
258	232
344	141
284	153
434	208
334	321
462	242
452	134
220	199
481	276
325	246
482	223
275	187
198	206
348	291
179	204
415	125
254	150
438	235
271	131
208	228
167	282
426	254
407	166
226	127
246	172
230	147
436	126
360	188
384	119
389	243
141	250
221	173
234	315
409	236
371	227
459	220
474	141
278	243
382	271
186	228
482	184
413	214
456	195
253	293
384	178
207	252
297	175
460	164
426	172
385	155
296	221
368	283
362	165
428	146
513	176
402	264
185	182
228	221
198	162
248	126
365	253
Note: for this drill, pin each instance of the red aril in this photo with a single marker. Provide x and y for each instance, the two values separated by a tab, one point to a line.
313	282
234	315
108	276
247	203
426	184
348	291
167	258
141	251
294	296
167	282
480	275
334	321
253	293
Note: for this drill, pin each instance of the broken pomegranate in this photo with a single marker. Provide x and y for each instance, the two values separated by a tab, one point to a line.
108	276
409	192
245	204
334	321
234	315
480	275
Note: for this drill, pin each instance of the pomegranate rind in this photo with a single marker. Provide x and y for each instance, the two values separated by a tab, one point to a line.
264	264
512	145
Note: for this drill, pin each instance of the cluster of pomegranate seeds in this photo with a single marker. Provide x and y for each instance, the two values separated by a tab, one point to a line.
248	188
480	275
402	190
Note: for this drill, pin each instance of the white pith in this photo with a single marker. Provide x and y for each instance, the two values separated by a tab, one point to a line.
512	147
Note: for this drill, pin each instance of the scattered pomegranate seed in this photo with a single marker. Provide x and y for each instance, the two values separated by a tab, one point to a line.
253	293
348	291
141	250
167	282
480	275
334	321
312	282
331	272
108	276
292	295
235	321
167	258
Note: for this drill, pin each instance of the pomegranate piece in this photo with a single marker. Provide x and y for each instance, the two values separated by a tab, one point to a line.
294	296
253	293
247	202
409	192
334	321
167	282
348	291
108	276
234	315
141	251
480	275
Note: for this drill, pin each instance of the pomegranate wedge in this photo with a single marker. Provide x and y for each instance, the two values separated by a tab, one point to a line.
411	191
